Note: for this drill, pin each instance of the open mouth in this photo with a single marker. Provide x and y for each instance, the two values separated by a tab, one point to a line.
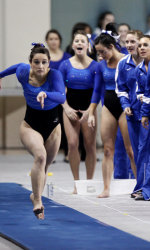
79	48
130	50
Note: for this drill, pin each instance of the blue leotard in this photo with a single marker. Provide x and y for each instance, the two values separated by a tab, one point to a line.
104	80
78	78
56	64
53	86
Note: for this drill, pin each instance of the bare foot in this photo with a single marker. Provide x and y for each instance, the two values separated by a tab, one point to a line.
104	194
38	208
75	190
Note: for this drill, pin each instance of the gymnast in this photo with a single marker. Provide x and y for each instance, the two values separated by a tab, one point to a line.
79	74
107	47
40	132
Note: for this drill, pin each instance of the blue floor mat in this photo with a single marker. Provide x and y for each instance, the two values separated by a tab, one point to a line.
63	228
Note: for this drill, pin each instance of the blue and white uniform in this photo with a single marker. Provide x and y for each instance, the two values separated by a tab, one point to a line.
145	110
126	91
143	151
144	178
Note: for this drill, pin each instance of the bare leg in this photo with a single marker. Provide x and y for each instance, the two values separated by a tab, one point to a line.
33	141
89	137
72	133
52	145
124	131
108	133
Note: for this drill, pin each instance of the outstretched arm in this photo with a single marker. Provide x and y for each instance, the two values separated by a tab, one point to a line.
57	94
9	71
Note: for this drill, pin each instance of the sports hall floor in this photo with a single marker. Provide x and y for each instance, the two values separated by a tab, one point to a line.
119	211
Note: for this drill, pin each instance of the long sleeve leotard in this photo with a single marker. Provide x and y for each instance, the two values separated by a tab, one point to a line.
53	86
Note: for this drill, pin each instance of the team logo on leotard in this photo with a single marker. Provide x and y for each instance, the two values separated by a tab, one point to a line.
56	120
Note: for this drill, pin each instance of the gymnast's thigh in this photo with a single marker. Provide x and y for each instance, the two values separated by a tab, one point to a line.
72	130
31	139
109	126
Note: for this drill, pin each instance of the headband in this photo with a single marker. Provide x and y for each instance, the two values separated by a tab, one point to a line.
41	44
109	32
90	42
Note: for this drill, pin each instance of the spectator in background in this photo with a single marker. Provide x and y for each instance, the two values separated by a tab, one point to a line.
80	27
123	29
53	39
104	18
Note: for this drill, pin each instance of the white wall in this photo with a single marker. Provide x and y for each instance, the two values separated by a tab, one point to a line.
22	22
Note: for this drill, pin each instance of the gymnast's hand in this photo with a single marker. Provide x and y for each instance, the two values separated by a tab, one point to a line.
84	117
91	121
145	122
71	113
40	98
141	99
128	111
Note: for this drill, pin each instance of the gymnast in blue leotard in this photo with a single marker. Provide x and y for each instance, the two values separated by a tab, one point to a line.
78	74
112	114
53	39
40	131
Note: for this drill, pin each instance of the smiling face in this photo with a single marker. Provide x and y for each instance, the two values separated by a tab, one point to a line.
144	47
80	44
103	52
40	65
132	43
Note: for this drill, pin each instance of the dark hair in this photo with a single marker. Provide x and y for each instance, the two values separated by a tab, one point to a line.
80	26
38	48
102	17
112	27
124	24
55	32
106	40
